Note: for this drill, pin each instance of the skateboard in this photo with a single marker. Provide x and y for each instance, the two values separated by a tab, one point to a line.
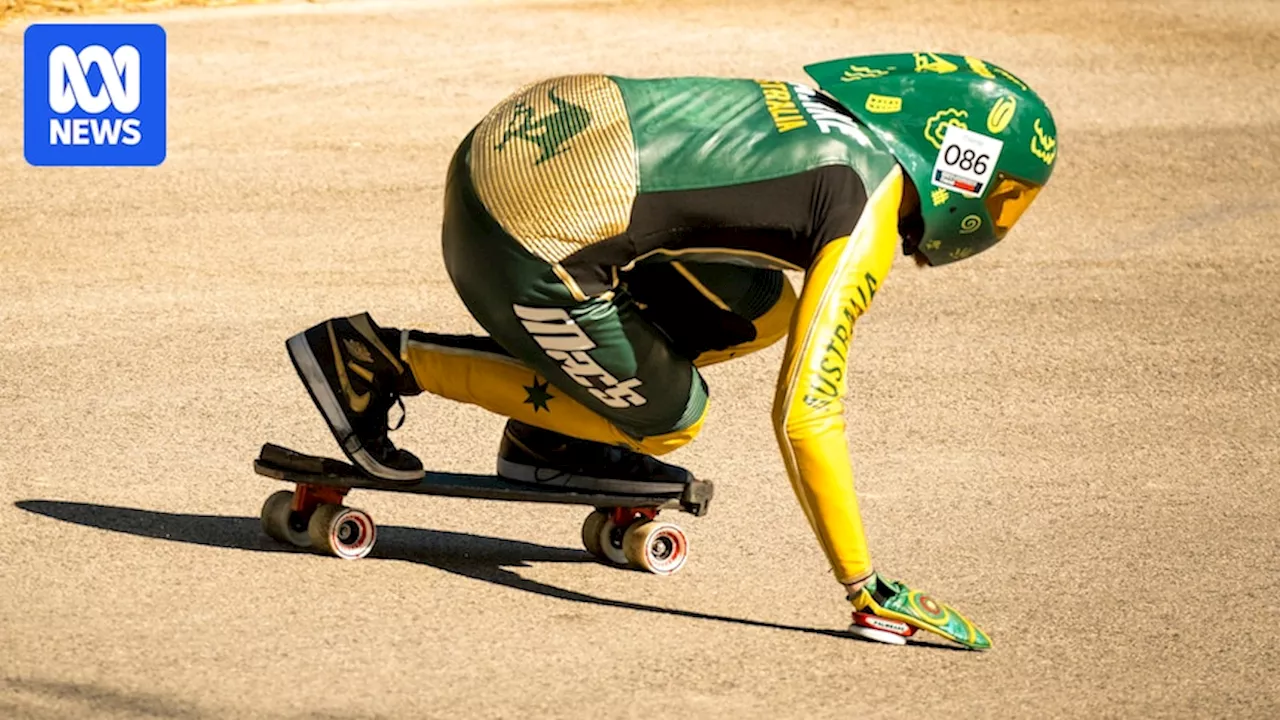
622	529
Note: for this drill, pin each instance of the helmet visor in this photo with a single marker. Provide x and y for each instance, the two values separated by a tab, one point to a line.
1008	199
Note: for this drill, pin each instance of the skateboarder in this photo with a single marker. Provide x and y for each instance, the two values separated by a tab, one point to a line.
614	235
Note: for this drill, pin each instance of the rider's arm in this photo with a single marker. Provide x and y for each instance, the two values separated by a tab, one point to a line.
807	411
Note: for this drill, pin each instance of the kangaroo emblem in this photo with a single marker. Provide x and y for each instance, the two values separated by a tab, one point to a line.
550	132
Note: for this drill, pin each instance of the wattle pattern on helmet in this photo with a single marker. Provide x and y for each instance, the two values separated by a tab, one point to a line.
911	100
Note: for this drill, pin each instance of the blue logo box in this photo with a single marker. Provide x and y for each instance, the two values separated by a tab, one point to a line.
94	95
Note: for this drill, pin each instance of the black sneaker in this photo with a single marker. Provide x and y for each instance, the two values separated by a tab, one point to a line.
354	378
533	455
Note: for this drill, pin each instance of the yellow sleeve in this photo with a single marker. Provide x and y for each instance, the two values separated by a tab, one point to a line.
807	410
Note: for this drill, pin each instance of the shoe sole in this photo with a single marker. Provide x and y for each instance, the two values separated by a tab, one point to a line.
313	379
547	477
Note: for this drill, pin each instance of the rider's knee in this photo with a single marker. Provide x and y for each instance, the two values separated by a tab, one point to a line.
675	439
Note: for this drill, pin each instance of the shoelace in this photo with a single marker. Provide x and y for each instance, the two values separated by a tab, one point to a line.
399	402
374	434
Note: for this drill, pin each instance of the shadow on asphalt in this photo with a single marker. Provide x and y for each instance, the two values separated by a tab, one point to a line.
474	556
27	698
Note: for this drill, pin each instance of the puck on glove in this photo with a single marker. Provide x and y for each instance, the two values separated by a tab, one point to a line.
878	629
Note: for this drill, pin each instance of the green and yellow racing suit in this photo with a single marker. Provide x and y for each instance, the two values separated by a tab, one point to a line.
614	235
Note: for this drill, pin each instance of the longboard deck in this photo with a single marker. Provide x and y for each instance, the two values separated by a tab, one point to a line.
281	463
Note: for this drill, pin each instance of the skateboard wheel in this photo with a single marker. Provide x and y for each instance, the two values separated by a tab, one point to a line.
657	547
279	523
593	531
610	539
344	532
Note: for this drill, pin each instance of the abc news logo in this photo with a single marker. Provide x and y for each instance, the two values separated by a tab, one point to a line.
69	89
94	95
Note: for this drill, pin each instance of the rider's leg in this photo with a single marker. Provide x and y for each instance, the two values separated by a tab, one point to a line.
477	370
566	368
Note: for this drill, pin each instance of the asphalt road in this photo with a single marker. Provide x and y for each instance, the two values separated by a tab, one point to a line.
1073	437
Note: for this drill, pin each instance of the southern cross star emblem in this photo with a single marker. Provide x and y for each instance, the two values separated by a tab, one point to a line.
537	394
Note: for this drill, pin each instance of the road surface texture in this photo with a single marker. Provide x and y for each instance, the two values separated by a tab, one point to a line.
1073	438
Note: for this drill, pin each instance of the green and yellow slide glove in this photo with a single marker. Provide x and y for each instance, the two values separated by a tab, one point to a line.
890	612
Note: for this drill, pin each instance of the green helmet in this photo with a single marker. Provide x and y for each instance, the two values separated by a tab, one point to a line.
973	184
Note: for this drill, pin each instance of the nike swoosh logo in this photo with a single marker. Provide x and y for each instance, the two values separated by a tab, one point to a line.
359	402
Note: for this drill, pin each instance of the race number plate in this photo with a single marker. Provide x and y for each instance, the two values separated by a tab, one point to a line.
966	161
